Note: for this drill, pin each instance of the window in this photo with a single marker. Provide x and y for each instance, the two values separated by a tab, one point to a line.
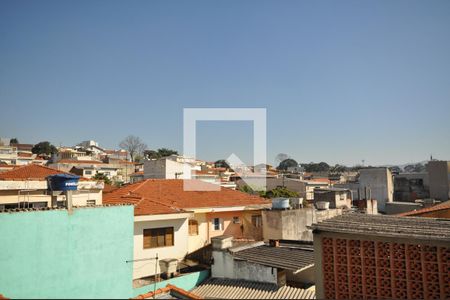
217	224
90	202
193	227
87	172
236	220
158	237
257	221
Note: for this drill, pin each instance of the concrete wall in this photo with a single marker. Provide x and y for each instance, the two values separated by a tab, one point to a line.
164	169
79	198
292	224
439	176
226	267
51	254
178	250
380	183
393	208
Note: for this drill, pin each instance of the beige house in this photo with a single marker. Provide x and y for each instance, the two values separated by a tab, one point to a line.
172	222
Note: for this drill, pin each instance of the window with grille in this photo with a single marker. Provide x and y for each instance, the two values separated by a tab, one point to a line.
193	227
217	224
257	221
90	202
158	237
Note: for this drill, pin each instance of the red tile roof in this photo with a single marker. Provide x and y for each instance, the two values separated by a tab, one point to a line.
438	207
159	196
30	172
168	289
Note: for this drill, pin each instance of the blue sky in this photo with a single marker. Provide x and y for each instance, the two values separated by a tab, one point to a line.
342	81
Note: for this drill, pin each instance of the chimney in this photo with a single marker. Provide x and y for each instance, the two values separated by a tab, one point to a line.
274	243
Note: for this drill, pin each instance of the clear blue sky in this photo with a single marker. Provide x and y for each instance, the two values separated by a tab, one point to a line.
342	81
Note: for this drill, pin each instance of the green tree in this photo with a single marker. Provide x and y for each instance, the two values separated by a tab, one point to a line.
101	176
221	163
161	152
13	141
316	167
285	164
282	192
44	148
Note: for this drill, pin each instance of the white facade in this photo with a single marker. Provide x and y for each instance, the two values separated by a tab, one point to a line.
148	266
165	168
379	184
31	193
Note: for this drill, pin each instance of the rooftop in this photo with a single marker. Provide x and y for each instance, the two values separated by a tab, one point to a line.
439	207
390	226
218	288
169	292
156	196
294	257
30	172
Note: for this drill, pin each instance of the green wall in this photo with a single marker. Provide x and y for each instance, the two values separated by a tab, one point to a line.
186	282
51	254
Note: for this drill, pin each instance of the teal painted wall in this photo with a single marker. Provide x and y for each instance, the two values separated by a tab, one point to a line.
186	282
51	254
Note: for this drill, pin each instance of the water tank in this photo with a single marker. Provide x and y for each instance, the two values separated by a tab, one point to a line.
63	182
322	205
280	203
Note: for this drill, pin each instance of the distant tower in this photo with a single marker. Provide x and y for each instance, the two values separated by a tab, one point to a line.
431	156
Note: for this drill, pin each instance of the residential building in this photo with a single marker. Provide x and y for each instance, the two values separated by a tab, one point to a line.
439	176
361	256
279	263
259	271
8	155
88	168
337	197
409	187
379	184
54	254
165	168
172	222
27	187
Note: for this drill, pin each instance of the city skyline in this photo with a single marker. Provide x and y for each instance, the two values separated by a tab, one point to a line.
341	82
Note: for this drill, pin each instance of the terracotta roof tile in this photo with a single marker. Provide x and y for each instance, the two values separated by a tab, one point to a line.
159	196
438	207
169	289
31	172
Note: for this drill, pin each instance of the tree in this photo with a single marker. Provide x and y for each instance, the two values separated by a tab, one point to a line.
161	152
316	167
13	141
285	164
133	145
101	176
279	192
221	163
44	148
